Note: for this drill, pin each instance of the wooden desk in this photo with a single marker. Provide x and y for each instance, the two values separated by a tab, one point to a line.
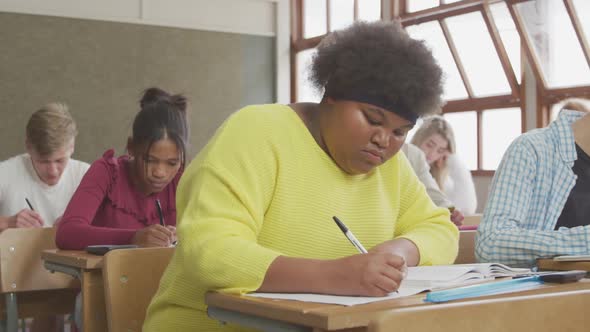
87	268
549	264
284	315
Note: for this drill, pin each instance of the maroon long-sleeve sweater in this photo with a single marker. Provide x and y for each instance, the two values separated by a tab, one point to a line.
107	209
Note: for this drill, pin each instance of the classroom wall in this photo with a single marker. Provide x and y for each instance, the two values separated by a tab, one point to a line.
100	68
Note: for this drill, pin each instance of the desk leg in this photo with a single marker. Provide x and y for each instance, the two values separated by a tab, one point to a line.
11	313
94	317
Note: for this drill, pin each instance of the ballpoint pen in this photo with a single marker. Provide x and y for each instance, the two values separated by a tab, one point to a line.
29	204
161	215
355	242
159	208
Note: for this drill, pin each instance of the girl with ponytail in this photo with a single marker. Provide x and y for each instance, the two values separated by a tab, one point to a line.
116	202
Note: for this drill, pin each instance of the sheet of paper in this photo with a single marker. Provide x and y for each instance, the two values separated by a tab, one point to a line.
342	300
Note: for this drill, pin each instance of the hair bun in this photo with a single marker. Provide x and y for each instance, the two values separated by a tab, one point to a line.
153	95
179	101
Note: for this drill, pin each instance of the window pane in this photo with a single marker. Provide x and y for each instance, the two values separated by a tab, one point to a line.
416	5
369	10
508	34
432	34
314	18
583	11
305	91
555	43
468	31
465	127
341	14
500	128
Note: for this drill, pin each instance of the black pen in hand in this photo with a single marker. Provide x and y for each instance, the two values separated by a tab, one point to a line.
161	215
159	208
29	204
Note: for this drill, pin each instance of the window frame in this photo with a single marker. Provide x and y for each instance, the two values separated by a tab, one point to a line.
546	96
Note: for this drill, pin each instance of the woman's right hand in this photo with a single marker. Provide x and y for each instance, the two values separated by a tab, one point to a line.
371	274
153	236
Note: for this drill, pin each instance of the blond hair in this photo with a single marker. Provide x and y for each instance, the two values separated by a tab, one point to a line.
51	128
436	125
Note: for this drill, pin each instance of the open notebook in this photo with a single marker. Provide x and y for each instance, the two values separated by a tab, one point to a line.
442	276
419	279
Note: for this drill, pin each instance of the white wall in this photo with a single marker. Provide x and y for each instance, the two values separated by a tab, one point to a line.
254	17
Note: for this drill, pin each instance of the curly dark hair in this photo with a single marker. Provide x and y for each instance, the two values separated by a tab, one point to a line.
379	60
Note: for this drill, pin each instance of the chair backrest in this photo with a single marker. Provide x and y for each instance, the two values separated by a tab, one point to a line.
131	278
21	267
466	248
565	311
472	220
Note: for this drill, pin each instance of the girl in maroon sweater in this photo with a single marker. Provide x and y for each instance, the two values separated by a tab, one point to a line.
116	200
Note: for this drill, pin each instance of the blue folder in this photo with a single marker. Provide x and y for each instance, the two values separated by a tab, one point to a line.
490	288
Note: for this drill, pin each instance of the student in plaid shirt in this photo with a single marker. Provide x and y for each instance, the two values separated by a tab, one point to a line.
538	204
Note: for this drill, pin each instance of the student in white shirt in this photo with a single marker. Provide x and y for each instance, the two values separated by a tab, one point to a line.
436	139
421	167
45	175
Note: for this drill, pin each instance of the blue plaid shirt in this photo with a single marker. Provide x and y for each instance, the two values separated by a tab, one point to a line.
527	196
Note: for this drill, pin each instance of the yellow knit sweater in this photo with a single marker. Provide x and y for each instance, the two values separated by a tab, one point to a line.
263	187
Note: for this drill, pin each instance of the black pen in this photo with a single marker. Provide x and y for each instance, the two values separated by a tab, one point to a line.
29	204
159	208
350	236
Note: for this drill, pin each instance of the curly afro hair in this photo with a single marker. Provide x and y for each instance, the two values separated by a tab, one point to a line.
378	60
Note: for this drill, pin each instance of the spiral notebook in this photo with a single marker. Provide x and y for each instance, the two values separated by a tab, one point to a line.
419	279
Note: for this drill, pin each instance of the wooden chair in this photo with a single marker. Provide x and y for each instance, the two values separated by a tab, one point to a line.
131	278
566	311
29	289
466	248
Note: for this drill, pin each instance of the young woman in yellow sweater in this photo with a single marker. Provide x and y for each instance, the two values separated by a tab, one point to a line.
255	207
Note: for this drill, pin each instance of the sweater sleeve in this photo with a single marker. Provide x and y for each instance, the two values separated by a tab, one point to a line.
428	226
221	202
75	231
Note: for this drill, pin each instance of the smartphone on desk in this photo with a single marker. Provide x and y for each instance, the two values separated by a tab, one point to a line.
563	276
103	249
